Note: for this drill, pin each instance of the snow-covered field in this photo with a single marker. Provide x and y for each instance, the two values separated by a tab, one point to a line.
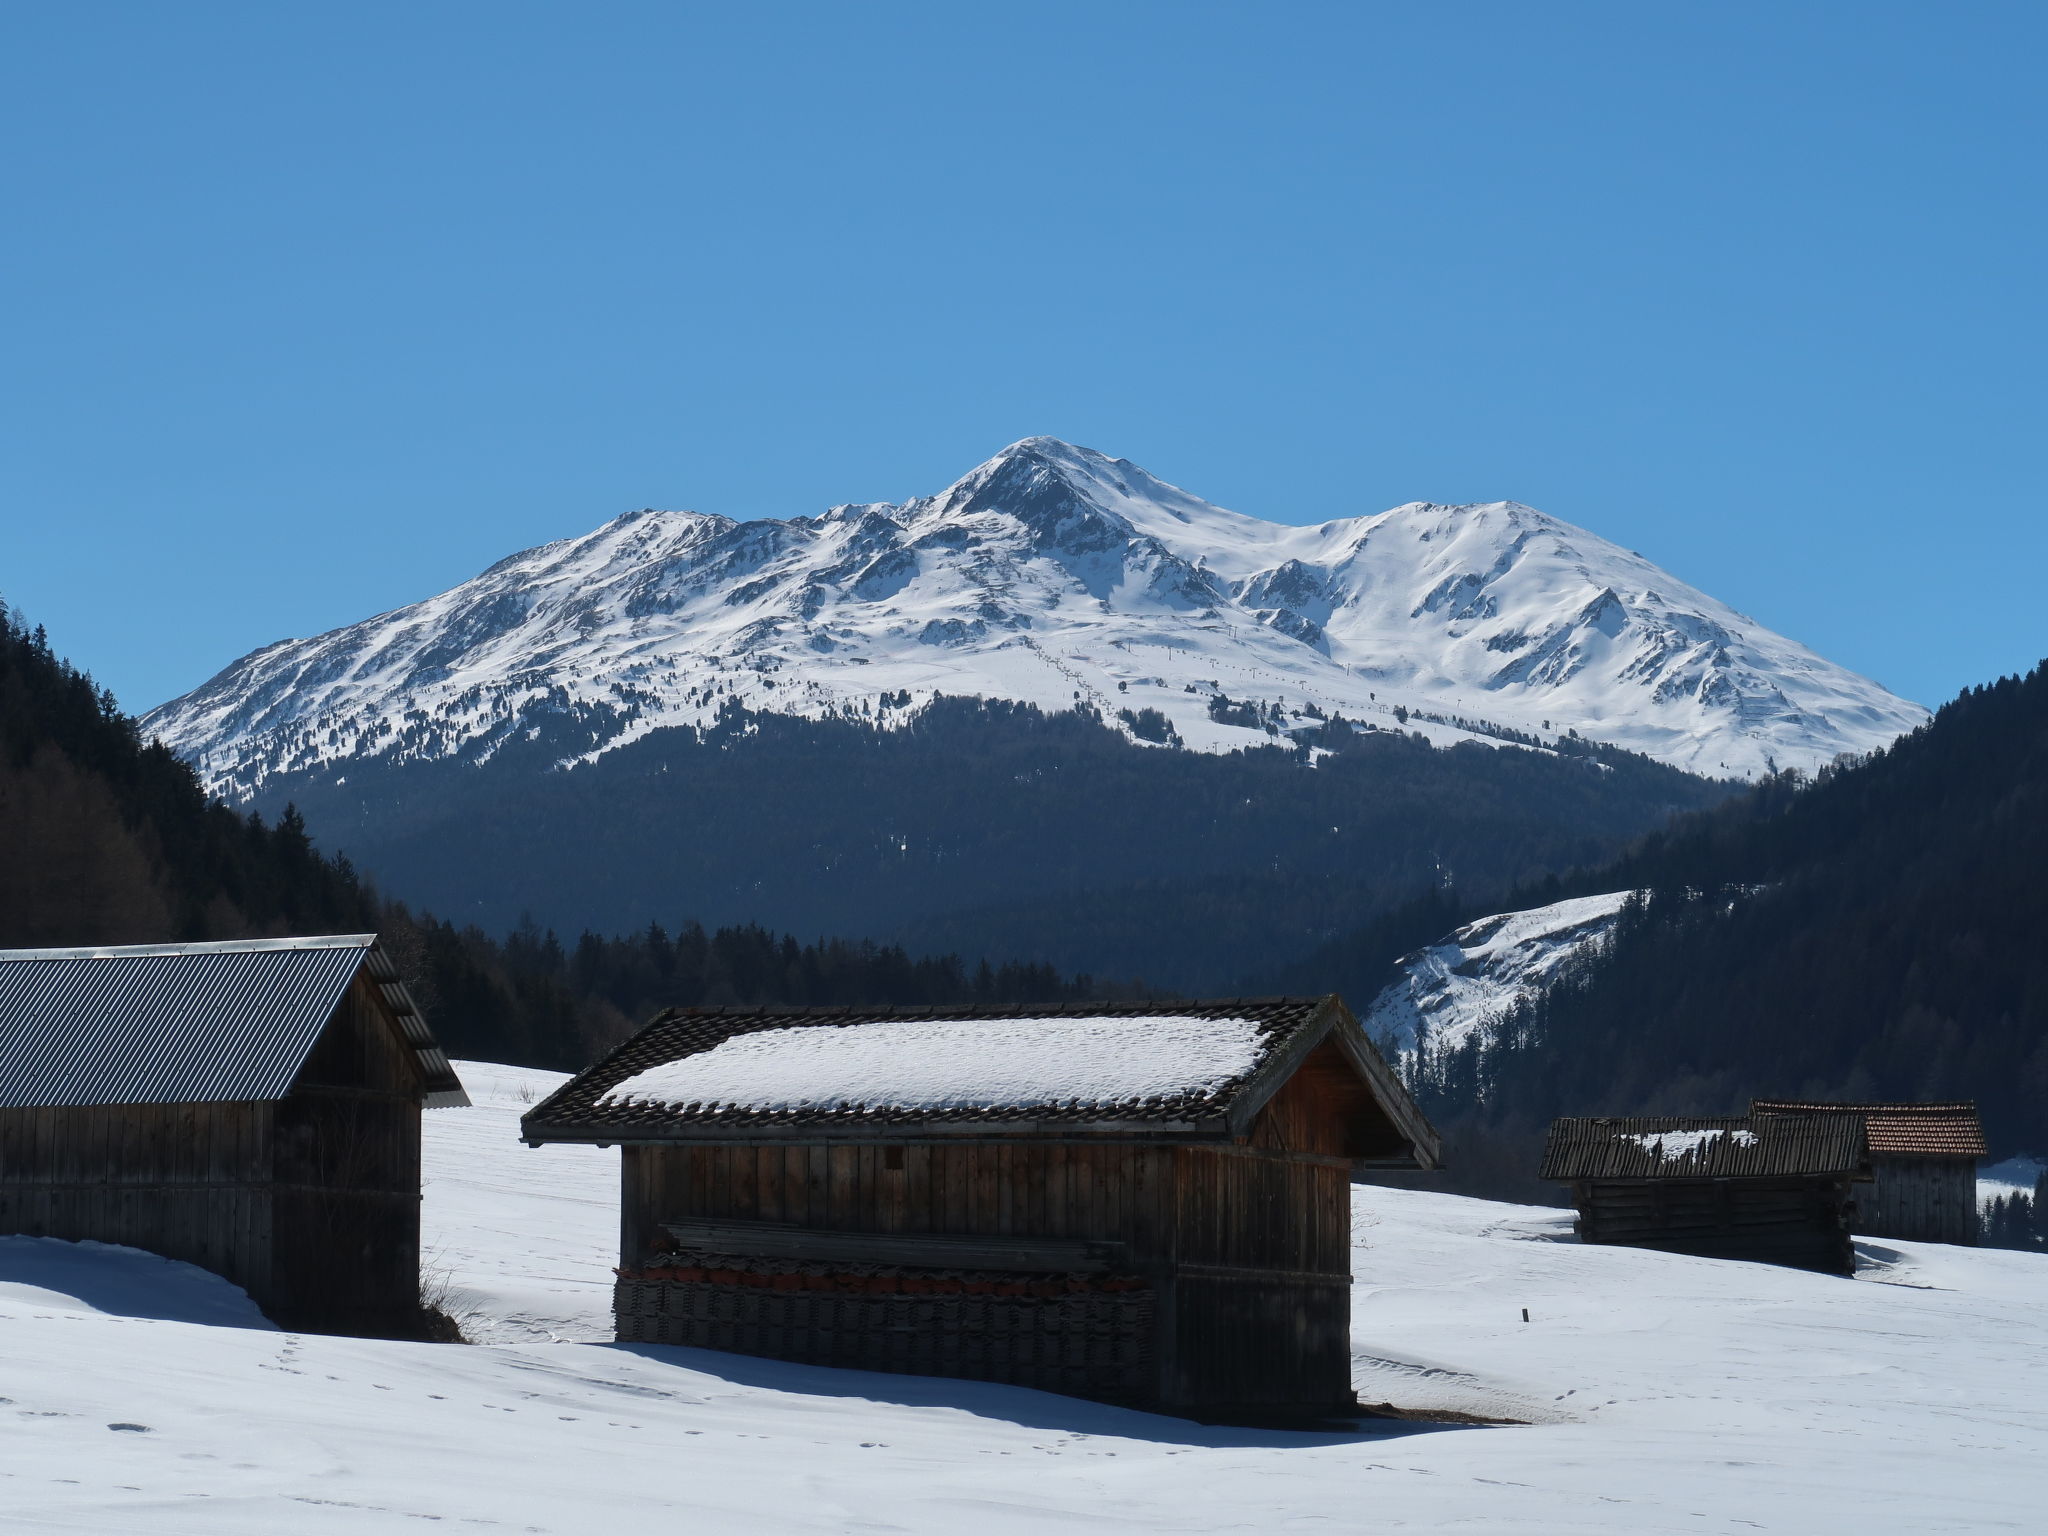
1663	1394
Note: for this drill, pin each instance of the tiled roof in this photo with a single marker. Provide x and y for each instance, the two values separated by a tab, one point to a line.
579	1107
1703	1147
186	1023
1910	1130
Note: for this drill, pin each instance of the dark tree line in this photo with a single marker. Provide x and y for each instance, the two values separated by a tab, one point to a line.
106	839
2018	1220
987	827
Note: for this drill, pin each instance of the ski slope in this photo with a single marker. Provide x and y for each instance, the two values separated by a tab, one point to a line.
1662	1394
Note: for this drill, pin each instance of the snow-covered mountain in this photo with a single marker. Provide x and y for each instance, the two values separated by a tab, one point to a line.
1443	993
1057	576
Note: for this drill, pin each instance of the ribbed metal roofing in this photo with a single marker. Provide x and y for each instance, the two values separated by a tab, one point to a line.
185	1023
1704	1147
1900	1130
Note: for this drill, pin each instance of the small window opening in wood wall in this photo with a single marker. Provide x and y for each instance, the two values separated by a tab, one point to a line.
892	1159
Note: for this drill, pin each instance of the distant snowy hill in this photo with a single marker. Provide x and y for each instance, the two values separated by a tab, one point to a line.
1444	992
1055	576
1656	1393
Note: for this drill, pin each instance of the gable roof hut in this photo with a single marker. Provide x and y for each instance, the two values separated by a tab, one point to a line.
1774	1189
251	1107
1923	1164
1143	1203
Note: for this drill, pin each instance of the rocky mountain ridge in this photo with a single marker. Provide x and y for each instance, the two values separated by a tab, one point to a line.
1056	576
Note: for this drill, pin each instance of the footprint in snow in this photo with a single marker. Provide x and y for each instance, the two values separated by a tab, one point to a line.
133	1429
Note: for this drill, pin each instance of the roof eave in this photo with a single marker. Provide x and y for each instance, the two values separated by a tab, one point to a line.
894	1132
444	1088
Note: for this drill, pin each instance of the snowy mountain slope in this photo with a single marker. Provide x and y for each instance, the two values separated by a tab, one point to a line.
1447	990
1054	575
1661	1393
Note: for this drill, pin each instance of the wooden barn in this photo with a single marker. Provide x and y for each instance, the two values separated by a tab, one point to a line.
249	1107
1776	1189
1142	1204
1923	1165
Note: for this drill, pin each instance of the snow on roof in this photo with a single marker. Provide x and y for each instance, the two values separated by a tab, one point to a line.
954	1064
1678	1146
1703	1146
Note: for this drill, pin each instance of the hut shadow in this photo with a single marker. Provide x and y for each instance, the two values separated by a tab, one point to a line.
1028	1408
118	1281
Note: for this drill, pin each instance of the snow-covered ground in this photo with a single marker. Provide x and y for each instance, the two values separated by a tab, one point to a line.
1662	1394
1445	992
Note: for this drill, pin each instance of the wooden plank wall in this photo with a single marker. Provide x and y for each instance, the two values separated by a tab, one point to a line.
1922	1199
1261	1303
347	1178
1245	1248
1103	1191
188	1181
1799	1222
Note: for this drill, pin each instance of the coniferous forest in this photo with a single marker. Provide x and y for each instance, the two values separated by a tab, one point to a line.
107	840
987	827
1871	934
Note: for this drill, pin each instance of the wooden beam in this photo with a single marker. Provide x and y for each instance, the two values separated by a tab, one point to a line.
778	1240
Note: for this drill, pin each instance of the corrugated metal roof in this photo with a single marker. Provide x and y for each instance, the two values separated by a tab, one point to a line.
577	1110
1900	1130
1703	1147
184	1023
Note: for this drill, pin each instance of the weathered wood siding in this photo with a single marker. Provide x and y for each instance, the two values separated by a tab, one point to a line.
1232	1293
1090	1336
188	1181
1261	1297
1922	1199
347	1177
310	1204
1802	1222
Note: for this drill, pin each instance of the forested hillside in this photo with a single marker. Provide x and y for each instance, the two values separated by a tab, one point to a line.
1878	933
987	828
106	840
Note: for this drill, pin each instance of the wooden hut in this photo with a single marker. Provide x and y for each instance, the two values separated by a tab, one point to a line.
249	1107
1923	1164
1143	1204
1775	1189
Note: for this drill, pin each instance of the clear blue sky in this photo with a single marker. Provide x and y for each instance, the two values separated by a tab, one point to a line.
312	310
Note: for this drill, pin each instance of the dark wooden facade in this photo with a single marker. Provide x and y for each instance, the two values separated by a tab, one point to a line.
1204	1273
1771	1192
1923	1166
309	1199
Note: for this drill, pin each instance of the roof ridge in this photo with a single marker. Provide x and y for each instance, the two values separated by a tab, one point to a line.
1831	1106
1085	1006
206	947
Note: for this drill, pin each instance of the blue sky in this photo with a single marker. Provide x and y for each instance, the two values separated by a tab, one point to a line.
314	310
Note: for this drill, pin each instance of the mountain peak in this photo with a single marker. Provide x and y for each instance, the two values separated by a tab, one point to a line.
1053	574
1057	450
